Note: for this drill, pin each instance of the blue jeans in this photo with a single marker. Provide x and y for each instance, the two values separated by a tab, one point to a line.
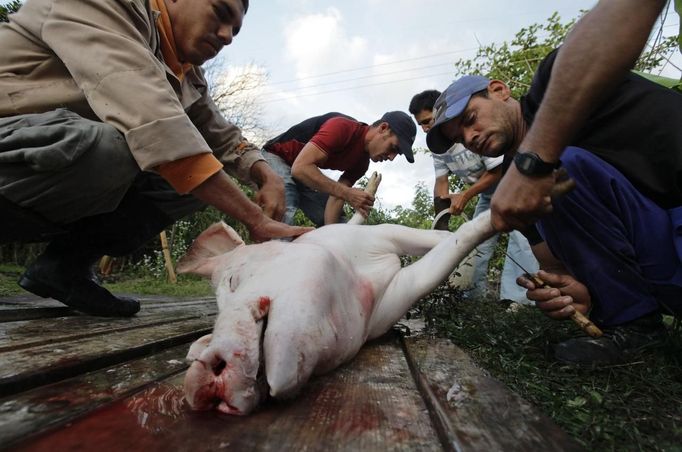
297	195
616	241
519	249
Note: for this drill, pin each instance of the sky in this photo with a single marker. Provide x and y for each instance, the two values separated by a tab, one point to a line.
364	58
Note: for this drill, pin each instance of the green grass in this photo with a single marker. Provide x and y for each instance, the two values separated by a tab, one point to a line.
637	406
9	275
187	285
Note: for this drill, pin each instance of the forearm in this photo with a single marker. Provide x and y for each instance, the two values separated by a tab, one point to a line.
441	188
262	174
333	209
612	34
311	176
222	193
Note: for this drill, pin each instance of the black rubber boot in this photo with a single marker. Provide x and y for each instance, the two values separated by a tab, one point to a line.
619	344
64	270
72	281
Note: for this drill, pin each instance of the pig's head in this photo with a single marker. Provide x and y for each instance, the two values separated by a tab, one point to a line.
226	371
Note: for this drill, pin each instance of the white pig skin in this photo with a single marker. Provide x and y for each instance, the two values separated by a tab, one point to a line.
323	295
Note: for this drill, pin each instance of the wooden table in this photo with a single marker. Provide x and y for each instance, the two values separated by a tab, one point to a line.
75	382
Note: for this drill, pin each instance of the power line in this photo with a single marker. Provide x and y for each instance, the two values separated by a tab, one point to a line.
372	66
356	87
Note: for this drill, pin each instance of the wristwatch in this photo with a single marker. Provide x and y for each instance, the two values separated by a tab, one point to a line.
530	164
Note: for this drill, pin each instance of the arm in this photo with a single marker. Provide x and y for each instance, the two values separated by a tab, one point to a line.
458	201
332	211
270	195
613	34
223	194
566	294
306	169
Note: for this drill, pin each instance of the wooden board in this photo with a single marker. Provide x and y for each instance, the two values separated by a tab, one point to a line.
370	404
75	382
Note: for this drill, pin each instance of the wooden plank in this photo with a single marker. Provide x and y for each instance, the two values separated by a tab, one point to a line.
31	307
369	404
26	368
474	412
31	333
52	406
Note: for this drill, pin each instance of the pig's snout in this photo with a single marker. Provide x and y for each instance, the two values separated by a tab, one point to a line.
217	380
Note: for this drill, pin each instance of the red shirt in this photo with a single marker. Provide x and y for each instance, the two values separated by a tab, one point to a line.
341	138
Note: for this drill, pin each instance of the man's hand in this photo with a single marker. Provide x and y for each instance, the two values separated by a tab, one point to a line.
270	195
360	200
519	200
564	296
458	201
267	228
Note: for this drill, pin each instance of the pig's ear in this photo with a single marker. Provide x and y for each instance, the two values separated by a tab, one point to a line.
218	239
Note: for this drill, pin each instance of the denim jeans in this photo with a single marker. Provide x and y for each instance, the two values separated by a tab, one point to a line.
519	249
297	195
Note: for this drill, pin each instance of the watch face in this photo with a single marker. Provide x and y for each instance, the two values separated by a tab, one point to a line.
530	164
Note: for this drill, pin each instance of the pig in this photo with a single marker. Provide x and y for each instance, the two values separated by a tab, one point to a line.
291	310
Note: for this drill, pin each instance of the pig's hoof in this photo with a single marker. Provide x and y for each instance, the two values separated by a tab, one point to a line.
80	293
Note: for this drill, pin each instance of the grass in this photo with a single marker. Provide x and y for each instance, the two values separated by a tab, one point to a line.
637	406
187	285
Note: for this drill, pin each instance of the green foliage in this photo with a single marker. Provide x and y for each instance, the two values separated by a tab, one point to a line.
625	407
515	62
9	8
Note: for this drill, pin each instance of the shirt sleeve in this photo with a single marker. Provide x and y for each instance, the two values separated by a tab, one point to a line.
233	150
492	162
334	135
440	168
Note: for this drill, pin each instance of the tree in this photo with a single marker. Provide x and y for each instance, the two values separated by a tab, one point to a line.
9	8
236	93
516	62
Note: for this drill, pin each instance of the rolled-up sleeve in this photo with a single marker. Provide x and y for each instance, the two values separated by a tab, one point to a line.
105	47
234	151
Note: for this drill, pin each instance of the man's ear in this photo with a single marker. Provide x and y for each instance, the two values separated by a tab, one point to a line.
498	89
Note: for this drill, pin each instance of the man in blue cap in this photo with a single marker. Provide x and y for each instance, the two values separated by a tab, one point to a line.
339	142
606	248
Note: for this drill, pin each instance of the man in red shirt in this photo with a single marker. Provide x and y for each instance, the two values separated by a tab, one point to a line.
339	142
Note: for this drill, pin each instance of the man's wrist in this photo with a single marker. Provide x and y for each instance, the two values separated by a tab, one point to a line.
532	165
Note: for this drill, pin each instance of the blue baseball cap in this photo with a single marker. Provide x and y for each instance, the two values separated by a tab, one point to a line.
450	104
402	125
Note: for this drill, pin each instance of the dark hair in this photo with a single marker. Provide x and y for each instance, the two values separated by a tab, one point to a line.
481	93
423	101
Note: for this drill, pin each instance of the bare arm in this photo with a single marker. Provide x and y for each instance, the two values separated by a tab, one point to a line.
441	188
270	195
613	34
222	193
306	169
332	211
458	201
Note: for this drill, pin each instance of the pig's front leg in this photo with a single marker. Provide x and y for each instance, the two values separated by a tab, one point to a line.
416	280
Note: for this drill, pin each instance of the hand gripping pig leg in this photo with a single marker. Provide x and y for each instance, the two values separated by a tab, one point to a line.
371	188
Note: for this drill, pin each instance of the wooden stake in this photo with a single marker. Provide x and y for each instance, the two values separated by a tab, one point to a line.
167	258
